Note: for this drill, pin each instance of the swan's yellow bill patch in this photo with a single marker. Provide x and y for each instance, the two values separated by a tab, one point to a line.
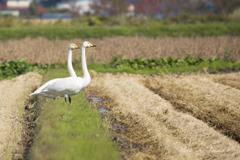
90	44
76	46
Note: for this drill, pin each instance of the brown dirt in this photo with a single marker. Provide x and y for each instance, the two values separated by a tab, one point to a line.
12	93
52	51
161	129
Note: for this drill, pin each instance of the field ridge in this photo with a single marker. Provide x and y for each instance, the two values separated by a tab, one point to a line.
13	92
190	138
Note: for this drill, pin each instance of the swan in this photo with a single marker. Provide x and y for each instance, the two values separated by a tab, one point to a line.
69	59
70	69
66	87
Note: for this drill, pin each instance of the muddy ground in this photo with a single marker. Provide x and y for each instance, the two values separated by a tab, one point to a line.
12	102
173	117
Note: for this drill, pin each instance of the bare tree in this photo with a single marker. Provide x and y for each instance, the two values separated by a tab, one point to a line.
148	7
74	8
225	6
167	7
111	7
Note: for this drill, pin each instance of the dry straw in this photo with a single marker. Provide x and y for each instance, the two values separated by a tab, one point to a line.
12	94
52	51
172	134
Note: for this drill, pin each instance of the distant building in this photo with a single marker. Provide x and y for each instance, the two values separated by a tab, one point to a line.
79	6
21	4
15	13
14	7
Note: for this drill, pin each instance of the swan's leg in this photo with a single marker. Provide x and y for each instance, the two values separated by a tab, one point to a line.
70	100
65	98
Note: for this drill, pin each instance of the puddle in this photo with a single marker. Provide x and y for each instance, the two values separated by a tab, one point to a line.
95	99
99	104
102	110
118	129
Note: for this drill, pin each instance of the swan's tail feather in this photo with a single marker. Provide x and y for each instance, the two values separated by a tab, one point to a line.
33	94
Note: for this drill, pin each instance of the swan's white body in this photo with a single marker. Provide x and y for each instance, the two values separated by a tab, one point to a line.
66	87
40	89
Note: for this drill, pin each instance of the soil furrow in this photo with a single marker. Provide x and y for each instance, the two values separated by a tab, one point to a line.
178	134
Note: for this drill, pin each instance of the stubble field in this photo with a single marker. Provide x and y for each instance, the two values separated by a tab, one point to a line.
13	94
194	116
54	51
176	116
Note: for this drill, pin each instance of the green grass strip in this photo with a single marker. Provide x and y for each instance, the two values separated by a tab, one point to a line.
213	66
71	132
152	30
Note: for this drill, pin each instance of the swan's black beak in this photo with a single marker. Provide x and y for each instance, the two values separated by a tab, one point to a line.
92	45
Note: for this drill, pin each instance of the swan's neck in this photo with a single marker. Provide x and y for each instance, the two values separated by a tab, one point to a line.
86	75
69	64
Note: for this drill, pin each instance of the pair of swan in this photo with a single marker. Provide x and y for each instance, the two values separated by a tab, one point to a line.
66	87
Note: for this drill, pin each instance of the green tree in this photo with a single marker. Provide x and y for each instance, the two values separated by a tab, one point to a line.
34	8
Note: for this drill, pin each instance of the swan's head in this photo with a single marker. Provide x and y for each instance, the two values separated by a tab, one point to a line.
87	44
73	46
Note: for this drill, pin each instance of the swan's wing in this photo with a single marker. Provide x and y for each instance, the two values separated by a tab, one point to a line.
48	95
65	86
40	89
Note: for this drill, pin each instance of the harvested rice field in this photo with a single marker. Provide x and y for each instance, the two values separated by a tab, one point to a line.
53	51
187	116
13	94
192	116
177	116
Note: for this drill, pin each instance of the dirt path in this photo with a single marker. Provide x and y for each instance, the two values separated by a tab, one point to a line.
167	132
12	93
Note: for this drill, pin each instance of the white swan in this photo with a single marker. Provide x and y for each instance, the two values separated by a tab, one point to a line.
70	69
69	60
66	87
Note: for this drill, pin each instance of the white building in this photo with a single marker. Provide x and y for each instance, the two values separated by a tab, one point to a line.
80	6
18	4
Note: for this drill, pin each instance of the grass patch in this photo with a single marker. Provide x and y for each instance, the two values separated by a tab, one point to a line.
163	65
71	132
14	67
153	30
166	65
